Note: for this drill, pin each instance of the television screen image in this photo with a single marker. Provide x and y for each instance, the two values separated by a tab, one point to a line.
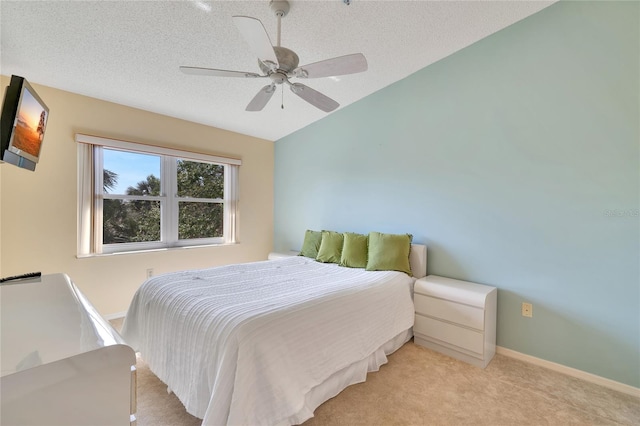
23	124
30	125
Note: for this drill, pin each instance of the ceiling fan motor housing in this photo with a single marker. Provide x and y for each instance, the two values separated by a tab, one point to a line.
287	59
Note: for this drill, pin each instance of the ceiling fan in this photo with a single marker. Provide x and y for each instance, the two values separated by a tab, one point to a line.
279	64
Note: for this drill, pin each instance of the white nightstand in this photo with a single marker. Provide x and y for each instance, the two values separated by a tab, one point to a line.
273	255
456	318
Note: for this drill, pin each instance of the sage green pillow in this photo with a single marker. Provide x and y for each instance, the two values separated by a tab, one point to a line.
354	250
389	252
330	247
311	244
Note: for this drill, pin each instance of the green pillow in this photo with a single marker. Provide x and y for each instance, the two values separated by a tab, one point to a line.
330	247
389	252
354	250
311	244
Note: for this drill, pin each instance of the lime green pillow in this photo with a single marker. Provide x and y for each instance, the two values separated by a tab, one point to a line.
389	252
354	250
330	247
311	244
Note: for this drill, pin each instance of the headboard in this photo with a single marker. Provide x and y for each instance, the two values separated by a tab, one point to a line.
418	260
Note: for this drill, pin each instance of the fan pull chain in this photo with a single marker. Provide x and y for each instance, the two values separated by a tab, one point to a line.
282	102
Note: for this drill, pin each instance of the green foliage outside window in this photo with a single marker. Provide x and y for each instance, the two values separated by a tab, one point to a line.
200	180
128	221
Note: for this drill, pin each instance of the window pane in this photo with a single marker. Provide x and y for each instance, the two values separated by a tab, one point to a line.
131	173
130	221
200	180
199	220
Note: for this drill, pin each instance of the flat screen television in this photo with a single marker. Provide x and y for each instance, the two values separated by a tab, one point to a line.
22	124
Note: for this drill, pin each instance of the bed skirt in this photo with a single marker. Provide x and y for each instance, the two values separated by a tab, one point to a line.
355	373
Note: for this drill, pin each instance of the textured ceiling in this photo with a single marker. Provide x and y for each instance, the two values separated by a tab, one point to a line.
128	52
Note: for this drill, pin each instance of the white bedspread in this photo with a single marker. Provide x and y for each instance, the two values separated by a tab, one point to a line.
244	344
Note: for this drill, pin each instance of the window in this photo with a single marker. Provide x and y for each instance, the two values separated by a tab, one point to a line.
138	197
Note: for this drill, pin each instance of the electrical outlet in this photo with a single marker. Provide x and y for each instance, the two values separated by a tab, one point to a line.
150	274
527	309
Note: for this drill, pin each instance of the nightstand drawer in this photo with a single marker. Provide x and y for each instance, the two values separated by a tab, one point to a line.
462	337
468	316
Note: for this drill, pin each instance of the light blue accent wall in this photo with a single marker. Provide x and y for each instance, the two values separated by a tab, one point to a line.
516	160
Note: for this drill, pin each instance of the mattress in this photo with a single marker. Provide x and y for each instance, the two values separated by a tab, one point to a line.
249	343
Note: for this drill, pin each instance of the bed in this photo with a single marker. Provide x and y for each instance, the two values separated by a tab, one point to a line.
268	342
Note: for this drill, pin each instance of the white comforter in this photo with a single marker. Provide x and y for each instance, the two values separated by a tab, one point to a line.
244	344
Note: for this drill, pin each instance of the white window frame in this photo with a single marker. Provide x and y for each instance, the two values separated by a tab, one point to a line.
91	196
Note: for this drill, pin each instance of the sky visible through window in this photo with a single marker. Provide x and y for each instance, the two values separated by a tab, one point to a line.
131	168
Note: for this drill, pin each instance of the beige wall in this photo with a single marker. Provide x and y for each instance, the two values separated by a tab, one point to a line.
38	210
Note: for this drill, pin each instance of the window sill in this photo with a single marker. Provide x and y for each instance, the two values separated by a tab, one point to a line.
120	253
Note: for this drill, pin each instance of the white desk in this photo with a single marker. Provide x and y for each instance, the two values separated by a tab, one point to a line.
62	363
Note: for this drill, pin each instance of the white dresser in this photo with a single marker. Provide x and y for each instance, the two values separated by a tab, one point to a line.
457	318
62	363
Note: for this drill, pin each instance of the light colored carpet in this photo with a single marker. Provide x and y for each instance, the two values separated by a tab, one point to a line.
422	387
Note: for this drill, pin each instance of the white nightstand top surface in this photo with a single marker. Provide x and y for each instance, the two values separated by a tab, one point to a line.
451	289
279	255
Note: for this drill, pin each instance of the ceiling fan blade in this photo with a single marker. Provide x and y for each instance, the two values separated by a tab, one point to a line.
342	65
314	97
218	73
260	100
254	33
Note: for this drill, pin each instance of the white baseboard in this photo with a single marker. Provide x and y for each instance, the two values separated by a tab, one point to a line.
115	315
579	374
